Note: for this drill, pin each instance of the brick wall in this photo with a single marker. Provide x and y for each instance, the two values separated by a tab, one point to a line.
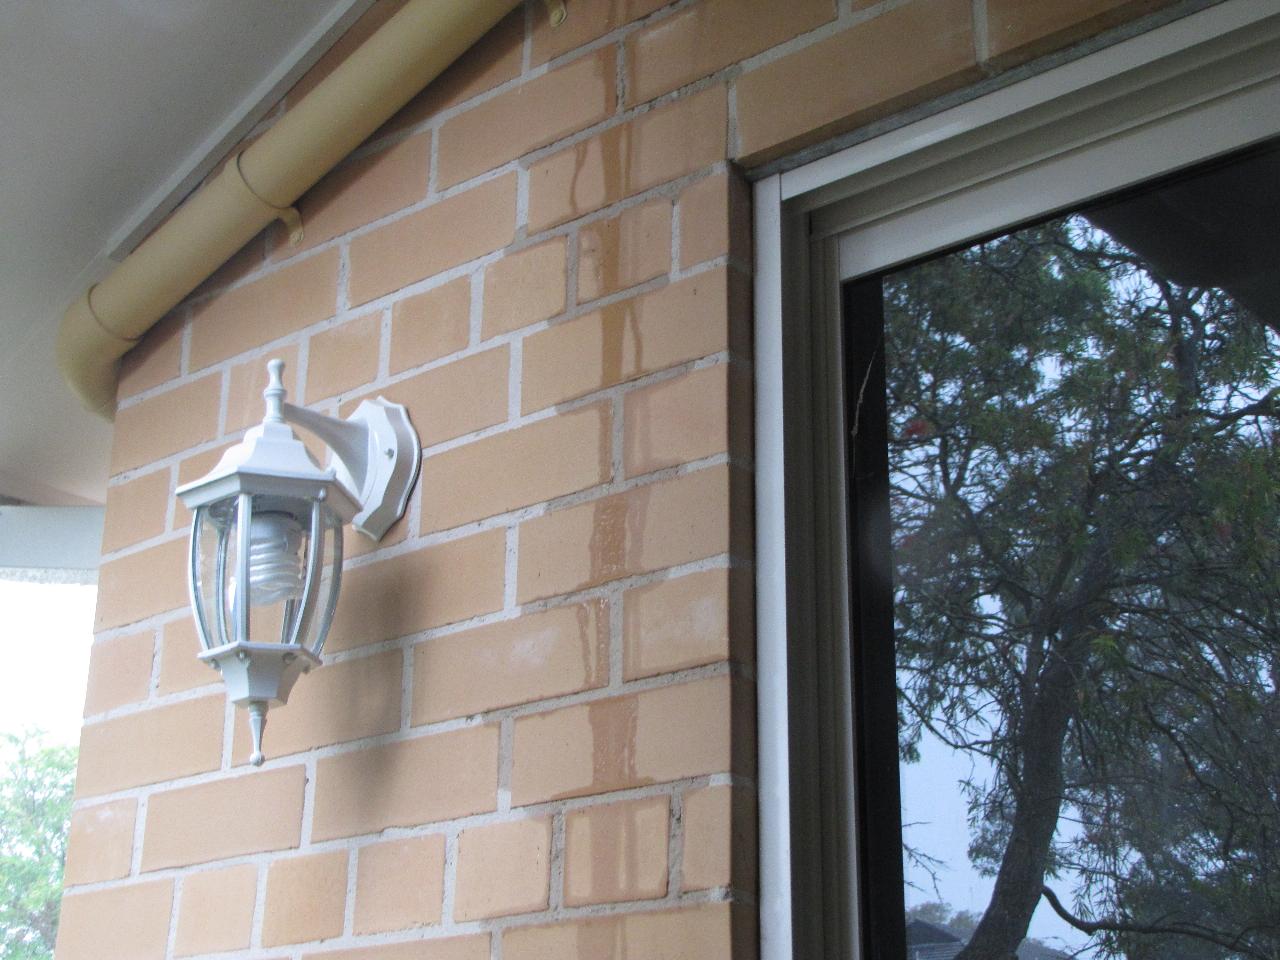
533	735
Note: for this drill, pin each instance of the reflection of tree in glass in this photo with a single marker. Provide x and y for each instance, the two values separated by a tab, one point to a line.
35	810
1084	493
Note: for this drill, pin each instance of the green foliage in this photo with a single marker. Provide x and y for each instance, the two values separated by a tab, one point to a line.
35	811
1085	484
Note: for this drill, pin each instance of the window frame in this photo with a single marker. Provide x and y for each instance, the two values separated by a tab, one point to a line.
1183	93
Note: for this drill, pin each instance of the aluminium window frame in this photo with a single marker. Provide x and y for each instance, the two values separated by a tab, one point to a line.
1185	92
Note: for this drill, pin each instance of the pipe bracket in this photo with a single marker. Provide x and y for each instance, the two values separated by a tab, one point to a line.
556	12
288	216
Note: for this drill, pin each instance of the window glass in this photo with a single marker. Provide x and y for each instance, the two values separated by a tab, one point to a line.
1083	488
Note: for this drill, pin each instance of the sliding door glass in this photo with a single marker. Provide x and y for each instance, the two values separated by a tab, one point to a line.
1065	471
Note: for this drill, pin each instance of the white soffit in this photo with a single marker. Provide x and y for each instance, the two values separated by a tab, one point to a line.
111	112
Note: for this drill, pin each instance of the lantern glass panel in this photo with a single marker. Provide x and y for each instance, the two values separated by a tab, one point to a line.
330	561
213	533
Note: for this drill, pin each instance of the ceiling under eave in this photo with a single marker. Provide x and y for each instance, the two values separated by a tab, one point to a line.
110	113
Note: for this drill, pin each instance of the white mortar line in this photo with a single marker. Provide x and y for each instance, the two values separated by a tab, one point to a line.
511	570
675	847
475	319
384	343
349	903
556	900
259	905
175	905
506	751
406	688
617	637
139	831
310	763
450	877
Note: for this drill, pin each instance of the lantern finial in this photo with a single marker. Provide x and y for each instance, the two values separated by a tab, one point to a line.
275	392
257	723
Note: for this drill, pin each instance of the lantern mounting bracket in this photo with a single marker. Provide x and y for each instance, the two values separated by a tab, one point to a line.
376	455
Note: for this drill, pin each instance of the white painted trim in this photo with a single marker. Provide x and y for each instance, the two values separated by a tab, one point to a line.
973	165
815	179
771	586
49	538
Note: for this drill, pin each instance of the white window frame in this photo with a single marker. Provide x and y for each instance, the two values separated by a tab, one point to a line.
1192	89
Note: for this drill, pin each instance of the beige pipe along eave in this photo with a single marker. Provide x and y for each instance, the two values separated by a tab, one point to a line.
262	184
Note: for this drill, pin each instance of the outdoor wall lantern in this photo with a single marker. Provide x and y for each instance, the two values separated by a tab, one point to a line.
265	563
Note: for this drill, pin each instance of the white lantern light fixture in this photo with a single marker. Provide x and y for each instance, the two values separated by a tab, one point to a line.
266	538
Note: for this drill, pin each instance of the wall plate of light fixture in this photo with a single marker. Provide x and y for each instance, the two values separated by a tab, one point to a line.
269	517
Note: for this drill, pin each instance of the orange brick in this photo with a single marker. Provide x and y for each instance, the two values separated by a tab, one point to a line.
306	898
455	399
710	35
136	511
702	931
672	141
293	297
719	838
119	671
342	358
215	912
418	781
540	655
361	192
422	244
245	405
555	456
616	852
430	325
524	288
651	737
254	813
142	584
444	948
1018	30
494	60
156	359
676	624
180	666
677	420
163	743
136	917
148	430
644	529
503	869
531	115
416	591
903	56
100	842
399	884
625	250
589	21
715	220
628	339
339	702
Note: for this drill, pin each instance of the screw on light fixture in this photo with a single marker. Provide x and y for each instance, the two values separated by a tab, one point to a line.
262	591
